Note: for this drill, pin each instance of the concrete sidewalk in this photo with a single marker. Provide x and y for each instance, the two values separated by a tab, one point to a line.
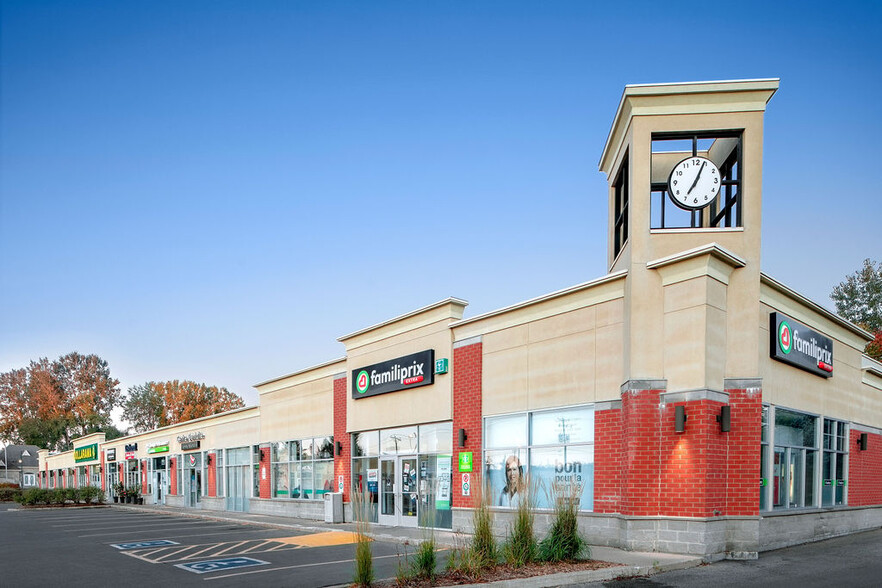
632	563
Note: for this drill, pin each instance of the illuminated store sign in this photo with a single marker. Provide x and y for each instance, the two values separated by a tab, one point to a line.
794	343
111	454
410	371
158	447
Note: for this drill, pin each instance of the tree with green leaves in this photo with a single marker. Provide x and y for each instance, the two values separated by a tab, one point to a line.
859	299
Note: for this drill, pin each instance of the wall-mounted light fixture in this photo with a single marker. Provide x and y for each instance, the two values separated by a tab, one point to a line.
462	437
339	448
262	455
208	459
679	419
862	442
725	418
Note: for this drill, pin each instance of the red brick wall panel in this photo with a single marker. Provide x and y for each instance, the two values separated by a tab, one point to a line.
864	470
144	477
342	462
265	473
212	475
467	413
173	472
607	460
640	452
744	439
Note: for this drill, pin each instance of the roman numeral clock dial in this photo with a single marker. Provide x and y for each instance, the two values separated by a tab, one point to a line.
694	183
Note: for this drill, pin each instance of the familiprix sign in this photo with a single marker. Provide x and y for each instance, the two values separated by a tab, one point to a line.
86	453
402	373
794	343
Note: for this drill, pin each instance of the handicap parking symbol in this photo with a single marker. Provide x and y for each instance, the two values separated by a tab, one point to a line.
216	565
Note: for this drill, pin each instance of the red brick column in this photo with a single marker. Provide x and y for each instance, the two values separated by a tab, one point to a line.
265	472
640	449
467	412
122	472
692	464
101	473
143	476
212	475
607	459
342	462
173	472
864	470
743	465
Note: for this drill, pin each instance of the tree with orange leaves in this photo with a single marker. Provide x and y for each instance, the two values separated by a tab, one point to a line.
50	403
158	404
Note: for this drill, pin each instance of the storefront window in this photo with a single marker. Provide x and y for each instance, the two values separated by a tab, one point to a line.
303	468
365	444
833	467
794	460
219	464
550	452
402	441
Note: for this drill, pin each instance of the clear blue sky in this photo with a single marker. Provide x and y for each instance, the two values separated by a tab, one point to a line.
217	190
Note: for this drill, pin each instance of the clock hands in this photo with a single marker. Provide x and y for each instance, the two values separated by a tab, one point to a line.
698	175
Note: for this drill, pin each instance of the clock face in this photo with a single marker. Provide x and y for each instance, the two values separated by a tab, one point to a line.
694	183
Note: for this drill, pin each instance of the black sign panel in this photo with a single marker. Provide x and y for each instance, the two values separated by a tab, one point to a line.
131	447
111	454
402	373
794	343
189	445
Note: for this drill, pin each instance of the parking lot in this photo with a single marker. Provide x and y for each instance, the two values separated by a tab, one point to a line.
114	546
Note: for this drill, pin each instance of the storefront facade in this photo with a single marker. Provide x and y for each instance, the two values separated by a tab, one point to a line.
687	401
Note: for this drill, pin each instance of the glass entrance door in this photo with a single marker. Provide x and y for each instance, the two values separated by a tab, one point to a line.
399	494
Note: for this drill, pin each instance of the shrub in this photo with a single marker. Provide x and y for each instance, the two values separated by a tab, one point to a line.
564	542
57	496
483	543
72	494
90	494
425	560
521	547
364	559
10	494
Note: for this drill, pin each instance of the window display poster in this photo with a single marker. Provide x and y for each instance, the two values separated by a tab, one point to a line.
373	476
442	494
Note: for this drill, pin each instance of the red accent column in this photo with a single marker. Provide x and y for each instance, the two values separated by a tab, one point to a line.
101	473
265	471
212	475
608	460
692	464
864	470
122	472
467	412
342	462
743	466
640	452
173	472
144	476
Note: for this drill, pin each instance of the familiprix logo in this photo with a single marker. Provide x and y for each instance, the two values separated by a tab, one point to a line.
784	337
796	344
362	382
401	373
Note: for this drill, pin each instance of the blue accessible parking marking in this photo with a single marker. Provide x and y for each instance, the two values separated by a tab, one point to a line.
140	544
216	565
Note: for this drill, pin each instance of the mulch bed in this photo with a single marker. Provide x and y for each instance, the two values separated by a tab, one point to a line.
505	572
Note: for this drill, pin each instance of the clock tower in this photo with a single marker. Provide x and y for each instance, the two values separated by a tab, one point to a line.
684	165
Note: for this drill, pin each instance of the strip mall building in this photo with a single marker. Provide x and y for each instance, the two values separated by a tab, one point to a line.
694	403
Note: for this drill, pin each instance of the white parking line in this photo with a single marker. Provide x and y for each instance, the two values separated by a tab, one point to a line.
125	532
309	565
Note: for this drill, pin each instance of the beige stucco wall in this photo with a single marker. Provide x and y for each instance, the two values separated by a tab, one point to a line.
426	329
555	351
843	396
299	406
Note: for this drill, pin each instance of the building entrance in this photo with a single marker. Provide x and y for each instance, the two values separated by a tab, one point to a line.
399	492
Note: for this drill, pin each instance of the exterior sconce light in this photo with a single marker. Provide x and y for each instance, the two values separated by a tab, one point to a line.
262	455
462	437
725	419
339	448
862	442
679	419
208	460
